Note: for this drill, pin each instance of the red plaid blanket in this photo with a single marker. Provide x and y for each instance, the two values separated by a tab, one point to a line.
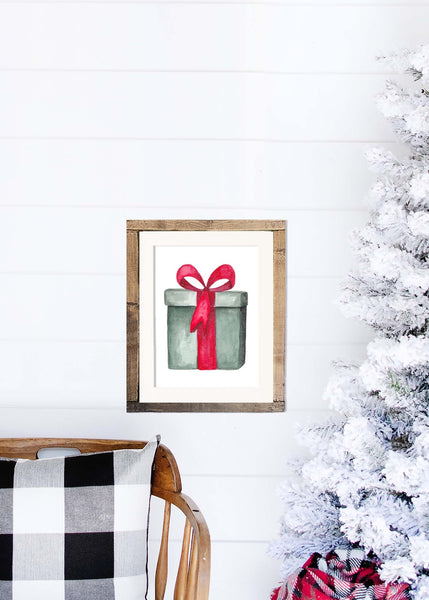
342	574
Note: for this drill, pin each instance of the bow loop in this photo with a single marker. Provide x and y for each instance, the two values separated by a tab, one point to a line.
189	271
206	295
222	272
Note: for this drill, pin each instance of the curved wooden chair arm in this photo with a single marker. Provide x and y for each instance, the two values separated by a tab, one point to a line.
192	582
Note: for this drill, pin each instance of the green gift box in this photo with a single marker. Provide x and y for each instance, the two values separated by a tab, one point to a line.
230	329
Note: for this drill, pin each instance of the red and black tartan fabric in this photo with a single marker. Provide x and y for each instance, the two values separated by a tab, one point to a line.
344	574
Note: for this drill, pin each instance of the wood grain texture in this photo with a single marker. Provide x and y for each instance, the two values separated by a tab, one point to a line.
200	534
278	228
295	37
182	574
101	236
251	177
57	309
204	407
292	3
187	433
205	225
133	323
166	473
207	106
161	573
193	570
279	317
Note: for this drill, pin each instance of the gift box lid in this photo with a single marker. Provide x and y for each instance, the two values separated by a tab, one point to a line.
178	297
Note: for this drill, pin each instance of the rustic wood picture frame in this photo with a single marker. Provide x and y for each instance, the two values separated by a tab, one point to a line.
278	230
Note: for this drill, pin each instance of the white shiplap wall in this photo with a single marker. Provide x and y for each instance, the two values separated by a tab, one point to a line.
115	110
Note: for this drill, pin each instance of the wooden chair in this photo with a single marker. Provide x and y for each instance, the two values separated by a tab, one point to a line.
192	581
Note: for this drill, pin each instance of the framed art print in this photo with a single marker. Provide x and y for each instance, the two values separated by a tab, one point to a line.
205	316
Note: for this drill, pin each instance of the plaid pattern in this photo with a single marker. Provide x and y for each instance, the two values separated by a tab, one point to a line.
75	528
342	574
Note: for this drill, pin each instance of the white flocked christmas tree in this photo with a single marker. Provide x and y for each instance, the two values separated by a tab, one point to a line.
366	480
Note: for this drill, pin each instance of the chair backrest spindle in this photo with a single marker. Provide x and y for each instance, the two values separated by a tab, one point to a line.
193	570
182	574
162	564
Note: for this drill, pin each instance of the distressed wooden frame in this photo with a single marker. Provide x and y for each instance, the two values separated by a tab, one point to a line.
278	228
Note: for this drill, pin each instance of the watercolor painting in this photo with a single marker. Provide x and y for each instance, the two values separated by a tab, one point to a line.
206	323
205	357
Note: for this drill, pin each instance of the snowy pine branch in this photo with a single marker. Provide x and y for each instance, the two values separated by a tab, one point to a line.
366	480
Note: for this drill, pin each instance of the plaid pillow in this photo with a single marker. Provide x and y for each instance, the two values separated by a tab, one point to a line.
75	528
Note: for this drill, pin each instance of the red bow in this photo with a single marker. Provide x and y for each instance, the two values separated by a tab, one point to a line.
204	313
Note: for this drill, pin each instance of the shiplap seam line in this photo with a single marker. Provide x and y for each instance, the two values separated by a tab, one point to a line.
183	139
220	540
120	409
264	212
38	273
320	73
221	3
326	344
60	341
122	341
177	540
317	277
231	475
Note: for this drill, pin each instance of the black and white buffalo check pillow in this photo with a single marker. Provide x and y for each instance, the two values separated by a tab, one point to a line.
75	528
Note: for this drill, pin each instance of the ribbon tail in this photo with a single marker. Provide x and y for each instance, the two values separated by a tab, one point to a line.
207	359
201	313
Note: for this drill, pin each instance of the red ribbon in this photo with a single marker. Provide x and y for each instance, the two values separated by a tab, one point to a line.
204	317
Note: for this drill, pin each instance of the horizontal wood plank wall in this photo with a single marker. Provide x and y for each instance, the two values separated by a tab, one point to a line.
116	110
270	37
